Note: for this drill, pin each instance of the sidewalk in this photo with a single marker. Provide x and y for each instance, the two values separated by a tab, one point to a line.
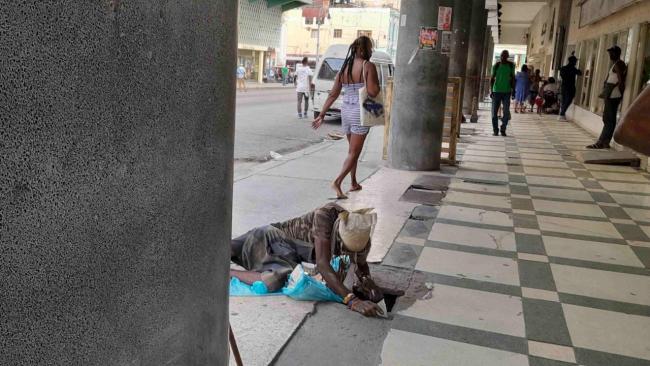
253	85
291	186
532	258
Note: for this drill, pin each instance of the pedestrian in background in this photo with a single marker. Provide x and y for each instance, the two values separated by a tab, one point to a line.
302	81
549	93
241	78
356	72
612	93
522	87
285	75
535	80
502	82
568	73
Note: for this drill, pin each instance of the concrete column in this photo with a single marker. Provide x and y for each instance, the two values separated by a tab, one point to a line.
460	40
116	181
260	66
475	53
461	24
486	68
420	91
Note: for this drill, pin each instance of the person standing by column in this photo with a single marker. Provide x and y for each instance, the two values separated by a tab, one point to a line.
503	82
612	93
568	74
303	82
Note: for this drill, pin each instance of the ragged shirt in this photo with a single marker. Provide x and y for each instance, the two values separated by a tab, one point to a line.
320	223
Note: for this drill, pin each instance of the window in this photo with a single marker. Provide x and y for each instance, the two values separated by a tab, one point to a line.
309	20
588	54
329	68
645	71
367	33
338	33
314	33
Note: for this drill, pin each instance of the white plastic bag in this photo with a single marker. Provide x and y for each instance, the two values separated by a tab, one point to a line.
372	108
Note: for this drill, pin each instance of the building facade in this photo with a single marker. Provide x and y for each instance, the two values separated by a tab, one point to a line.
588	28
342	26
260	29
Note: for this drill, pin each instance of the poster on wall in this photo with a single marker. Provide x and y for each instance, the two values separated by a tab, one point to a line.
445	42
444	18
428	38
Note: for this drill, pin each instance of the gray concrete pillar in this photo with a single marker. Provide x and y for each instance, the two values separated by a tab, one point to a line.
475	53
460	40
486	64
116	146
418	107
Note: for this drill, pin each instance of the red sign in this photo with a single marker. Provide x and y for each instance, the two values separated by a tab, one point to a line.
318	9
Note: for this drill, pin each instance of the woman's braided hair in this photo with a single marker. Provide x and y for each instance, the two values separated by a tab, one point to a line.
362	47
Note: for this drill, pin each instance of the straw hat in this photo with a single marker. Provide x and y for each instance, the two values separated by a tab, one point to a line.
355	228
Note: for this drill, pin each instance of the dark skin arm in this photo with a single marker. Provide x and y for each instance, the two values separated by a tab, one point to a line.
323	251
619	69
334	94
372	80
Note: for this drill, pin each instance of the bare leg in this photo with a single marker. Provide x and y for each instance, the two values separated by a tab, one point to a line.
356	145
247	277
299	103
355	186
272	279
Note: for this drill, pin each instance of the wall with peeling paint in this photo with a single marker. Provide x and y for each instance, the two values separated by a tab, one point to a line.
116	145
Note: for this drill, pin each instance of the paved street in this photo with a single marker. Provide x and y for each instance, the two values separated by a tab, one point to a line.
267	121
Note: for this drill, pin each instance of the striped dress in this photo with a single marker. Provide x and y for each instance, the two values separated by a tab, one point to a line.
350	110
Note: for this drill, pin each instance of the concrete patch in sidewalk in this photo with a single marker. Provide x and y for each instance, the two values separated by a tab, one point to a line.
263	325
608	157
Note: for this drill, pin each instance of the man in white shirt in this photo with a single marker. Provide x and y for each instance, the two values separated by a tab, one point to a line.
302	80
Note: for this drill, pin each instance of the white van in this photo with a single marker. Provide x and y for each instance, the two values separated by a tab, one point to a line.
331	64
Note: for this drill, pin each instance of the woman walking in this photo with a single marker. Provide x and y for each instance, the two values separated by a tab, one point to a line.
522	86
357	71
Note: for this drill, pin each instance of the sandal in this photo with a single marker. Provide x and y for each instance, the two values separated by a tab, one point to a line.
598	145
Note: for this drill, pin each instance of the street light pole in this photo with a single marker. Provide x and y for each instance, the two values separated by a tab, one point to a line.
317	39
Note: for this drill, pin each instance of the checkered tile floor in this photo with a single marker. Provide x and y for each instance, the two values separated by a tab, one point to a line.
532	259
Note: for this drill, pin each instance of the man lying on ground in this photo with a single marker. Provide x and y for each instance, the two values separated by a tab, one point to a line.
270	253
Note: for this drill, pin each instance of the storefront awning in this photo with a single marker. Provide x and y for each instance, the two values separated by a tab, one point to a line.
288	4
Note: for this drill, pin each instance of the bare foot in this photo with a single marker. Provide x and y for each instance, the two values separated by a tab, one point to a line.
339	193
356	187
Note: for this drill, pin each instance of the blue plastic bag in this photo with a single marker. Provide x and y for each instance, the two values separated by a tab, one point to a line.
303	287
238	288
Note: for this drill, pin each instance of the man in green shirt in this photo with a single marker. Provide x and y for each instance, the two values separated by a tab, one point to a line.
503	83
285	74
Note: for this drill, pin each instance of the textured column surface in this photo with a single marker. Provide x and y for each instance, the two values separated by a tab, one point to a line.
461	24
418	108
475	53
116	148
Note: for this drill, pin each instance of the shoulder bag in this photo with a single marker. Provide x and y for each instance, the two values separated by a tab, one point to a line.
372	108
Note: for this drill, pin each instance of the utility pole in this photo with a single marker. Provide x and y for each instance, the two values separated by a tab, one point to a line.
318	20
